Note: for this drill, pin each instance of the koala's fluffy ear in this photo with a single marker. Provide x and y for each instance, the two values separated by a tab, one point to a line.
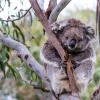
90	32
55	27
59	26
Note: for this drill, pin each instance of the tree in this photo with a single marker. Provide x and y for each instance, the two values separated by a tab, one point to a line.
52	14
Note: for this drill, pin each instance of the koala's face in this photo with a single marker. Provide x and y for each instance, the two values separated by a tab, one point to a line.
75	38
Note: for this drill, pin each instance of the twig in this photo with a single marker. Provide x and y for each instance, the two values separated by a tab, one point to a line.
9	20
36	85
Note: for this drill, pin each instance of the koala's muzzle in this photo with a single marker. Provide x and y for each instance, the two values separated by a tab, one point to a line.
72	44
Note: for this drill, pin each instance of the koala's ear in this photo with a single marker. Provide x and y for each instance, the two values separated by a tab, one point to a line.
90	32
55	27
59	26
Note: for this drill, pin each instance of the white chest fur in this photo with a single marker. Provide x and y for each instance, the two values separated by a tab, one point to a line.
58	75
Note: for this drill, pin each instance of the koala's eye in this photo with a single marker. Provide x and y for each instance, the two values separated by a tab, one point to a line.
72	44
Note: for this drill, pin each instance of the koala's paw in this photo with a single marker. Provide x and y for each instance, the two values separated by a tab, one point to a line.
58	90
60	87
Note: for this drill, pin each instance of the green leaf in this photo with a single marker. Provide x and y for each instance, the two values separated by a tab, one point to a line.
97	76
19	32
14	72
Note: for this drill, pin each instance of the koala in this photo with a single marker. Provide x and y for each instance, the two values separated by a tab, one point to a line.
76	39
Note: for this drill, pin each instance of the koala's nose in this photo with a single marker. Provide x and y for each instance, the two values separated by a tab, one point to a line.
72	44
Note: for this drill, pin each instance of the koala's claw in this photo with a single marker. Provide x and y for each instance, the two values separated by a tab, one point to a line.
58	90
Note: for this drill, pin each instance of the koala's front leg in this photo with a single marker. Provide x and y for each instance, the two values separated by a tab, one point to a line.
59	80
84	73
49	55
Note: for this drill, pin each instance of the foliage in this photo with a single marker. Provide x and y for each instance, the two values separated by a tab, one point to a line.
32	39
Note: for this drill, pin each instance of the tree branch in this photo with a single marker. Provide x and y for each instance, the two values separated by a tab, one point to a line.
35	85
98	19
64	56
51	6
25	55
56	11
43	19
9	20
53	3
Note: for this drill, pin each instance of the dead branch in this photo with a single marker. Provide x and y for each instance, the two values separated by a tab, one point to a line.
56	11
24	53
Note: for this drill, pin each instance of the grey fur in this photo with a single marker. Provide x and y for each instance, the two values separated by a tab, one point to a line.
82	56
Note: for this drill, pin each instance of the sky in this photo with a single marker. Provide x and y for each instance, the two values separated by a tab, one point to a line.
81	4
73	5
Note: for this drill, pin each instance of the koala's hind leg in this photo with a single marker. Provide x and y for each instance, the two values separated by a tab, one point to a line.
84	73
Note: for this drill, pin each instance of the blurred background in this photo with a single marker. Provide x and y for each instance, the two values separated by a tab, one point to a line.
29	31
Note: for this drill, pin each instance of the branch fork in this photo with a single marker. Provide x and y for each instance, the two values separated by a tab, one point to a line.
46	21
52	37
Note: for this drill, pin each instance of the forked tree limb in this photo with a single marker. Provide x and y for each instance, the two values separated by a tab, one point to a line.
56	11
43	19
24	54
